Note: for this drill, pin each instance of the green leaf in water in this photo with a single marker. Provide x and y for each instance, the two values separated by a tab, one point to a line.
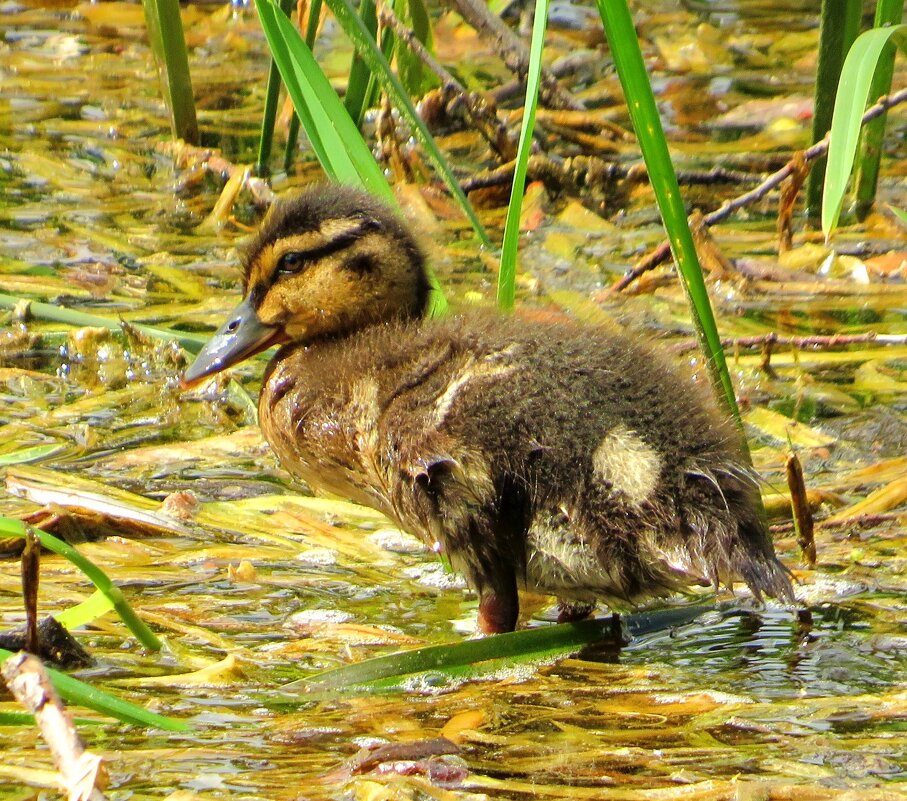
95	606
73	691
455	661
32	454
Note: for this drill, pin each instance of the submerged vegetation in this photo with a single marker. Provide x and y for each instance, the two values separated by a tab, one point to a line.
116	257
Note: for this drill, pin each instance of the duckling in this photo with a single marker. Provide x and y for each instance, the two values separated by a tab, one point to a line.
558	458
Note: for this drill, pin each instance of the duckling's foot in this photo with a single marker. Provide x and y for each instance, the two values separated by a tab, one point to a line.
570	612
498	612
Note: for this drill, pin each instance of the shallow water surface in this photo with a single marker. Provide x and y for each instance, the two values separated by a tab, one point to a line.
265	585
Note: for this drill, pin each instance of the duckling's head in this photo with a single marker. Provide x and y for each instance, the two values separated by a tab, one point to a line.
325	262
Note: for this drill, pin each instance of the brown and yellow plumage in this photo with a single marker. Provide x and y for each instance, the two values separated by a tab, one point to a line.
555	457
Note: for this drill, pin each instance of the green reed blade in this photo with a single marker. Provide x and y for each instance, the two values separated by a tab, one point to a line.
311	31
75	692
641	104
269	115
367	48
414	78
357	86
10	527
507	272
853	92
888	12
838	28
527	645
168	43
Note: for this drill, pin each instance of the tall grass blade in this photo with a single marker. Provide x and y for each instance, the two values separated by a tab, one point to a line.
311	31
856	79
335	139
888	12
507	272
839	26
367	48
641	103
414	78
357	86
289	152
168	43
269	115
373	89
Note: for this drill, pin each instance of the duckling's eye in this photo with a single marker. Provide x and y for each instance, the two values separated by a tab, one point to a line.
290	263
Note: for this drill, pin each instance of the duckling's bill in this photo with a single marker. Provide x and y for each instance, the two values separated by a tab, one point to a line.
242	336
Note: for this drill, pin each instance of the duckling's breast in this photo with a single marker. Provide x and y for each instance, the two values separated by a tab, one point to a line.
323	429
367	417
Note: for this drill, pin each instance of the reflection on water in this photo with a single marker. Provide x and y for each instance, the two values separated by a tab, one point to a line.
769	653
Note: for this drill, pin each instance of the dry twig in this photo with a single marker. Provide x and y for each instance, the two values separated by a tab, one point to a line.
514	53
814	342
803	518
580	173
790	189
31	576
479	109
663	252
856	522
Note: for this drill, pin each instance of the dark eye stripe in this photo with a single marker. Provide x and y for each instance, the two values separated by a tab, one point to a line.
297	260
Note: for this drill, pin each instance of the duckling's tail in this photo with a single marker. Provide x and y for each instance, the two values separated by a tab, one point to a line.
764	574
752	553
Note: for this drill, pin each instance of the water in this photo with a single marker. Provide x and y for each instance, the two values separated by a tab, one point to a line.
94	215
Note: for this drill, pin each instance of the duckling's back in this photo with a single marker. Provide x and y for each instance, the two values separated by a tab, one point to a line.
560	458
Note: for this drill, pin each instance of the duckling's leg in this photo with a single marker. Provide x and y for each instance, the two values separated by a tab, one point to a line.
498	611
492	573
480	525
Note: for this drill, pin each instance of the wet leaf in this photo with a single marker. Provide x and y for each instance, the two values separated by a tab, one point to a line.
576	217
781	429
881	500
80	495
33	454
226	673
873	377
